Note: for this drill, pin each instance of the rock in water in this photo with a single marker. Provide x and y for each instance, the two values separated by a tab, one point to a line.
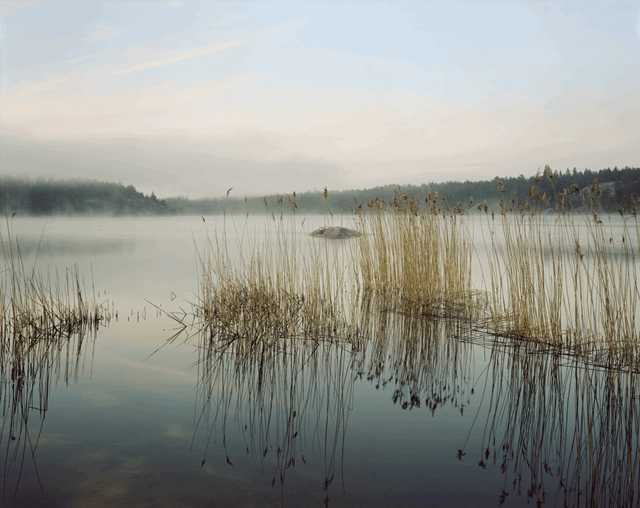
335	232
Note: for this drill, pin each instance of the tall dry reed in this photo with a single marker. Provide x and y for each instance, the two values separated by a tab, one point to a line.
43	324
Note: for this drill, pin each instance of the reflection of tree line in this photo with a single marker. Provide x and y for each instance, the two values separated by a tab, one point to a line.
55	247
561	431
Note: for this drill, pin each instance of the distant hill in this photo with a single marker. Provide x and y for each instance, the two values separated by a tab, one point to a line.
618	186
70	197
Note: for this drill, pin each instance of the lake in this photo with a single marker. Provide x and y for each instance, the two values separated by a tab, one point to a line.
128	417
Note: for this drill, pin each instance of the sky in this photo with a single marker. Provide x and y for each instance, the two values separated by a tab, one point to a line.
192	98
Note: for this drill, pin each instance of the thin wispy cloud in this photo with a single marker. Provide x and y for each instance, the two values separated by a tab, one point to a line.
203	50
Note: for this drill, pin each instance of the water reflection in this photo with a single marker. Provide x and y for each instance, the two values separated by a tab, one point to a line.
290	396
289	399
558	429
427	359
561	430
73	247
29	369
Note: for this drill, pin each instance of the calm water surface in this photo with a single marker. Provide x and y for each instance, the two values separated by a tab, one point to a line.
450	423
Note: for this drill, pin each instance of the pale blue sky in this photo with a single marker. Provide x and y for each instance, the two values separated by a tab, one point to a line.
345	94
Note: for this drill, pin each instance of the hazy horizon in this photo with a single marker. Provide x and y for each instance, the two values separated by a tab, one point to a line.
194	98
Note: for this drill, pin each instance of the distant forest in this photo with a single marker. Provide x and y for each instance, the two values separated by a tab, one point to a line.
618	186
68	197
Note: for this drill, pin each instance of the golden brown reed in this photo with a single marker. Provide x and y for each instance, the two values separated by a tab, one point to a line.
286	320
35	307
421	254
43	324
566	280
279	286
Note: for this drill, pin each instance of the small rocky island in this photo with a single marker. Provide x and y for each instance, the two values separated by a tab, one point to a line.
335	232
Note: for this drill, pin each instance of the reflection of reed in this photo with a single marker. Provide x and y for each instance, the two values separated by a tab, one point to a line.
560	429
565	423
291	397
288	399
427	359
27	371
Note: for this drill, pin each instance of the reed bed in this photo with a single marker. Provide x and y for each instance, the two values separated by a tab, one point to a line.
37	307
421	254
43	324
279	287
401	303
568	280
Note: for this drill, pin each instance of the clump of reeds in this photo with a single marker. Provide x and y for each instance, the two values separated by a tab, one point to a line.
279	286
275	322
418	252
39	319
35	307
567	279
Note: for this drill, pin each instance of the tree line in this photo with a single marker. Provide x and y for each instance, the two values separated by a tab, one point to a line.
70	197
67	197
618	186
